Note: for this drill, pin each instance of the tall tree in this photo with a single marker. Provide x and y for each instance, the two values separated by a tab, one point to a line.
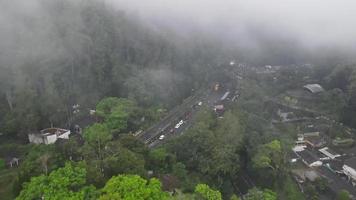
64	183
132	187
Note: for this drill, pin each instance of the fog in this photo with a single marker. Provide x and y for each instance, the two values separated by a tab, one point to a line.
312	23
253	27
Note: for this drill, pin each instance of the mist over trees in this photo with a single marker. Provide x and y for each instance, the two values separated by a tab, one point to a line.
62	53
121	66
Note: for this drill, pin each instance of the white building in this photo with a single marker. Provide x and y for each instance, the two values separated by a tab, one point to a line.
48	136
349	169
314	88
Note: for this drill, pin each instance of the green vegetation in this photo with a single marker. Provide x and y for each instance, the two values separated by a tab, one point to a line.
207	193
343	195
114	75
2	164
131	187
64	183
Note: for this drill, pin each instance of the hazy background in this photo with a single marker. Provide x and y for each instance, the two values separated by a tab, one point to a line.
253	28
314	23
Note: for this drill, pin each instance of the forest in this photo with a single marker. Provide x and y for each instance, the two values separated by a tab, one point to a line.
65	59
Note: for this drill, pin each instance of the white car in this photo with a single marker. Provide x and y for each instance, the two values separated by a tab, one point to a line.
161	137
200	103
179	124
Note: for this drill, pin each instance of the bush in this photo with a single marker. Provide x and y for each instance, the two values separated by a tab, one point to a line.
2	164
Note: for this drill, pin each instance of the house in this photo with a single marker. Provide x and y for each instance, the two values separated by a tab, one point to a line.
349	169
314	140
309	159
48	136
314	88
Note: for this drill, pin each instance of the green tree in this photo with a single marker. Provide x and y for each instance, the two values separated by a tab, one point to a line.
2	164
269	195
132	187
120	160
234	197
343	195
256	194
160	160
269	155
96	136
64	183
116	112
207	193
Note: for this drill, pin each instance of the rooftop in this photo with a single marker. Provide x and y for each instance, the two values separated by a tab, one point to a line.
308	156
351	162
52	131
314	88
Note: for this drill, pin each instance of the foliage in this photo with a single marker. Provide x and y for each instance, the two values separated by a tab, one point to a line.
234	197
225	136
269	156
256	194
207	193
64	183
2	164
96	136
132	187
116	112
343	195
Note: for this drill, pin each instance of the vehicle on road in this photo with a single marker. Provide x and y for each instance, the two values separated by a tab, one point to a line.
200	103
179	124
161	137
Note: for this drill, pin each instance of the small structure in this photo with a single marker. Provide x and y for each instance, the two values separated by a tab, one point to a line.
312	134
48	136
349	169
14	162
303	175
314	140
309	159
314	88
77	129
226	94
329	153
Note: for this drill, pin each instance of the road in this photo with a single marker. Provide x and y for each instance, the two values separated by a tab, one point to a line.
186	111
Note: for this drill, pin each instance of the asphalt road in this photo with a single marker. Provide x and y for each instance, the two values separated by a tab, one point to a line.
186	111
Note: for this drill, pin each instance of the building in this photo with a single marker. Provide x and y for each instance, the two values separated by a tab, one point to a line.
329	153
349	169
314	140
309	159
314	88
48	136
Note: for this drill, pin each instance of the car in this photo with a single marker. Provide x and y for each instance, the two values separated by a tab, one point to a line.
161	137
200	103
179	124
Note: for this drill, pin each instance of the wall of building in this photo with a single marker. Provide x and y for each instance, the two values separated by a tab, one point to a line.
50	139
65	135
35	138
350	172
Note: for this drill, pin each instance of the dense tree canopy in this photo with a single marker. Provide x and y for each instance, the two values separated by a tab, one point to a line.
68	182
132	187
